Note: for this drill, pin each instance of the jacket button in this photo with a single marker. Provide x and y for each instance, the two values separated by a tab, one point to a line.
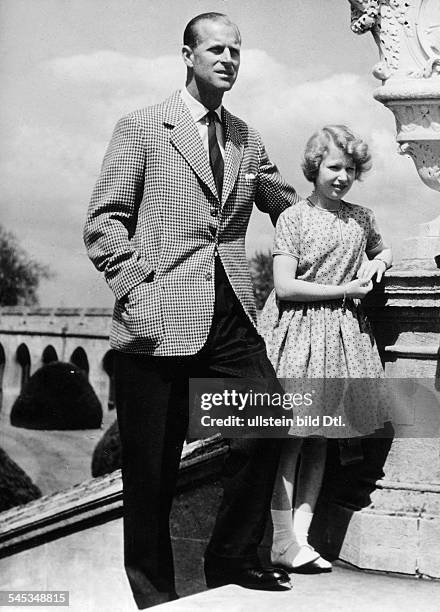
208	276
214	212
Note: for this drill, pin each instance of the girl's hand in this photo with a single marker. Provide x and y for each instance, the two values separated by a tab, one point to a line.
358	288
370	268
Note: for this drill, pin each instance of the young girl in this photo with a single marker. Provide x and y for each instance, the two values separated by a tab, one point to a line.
327	251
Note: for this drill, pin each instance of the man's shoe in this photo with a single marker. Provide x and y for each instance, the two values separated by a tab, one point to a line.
262	579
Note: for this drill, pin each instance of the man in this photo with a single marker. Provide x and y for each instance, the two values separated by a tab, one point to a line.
166	225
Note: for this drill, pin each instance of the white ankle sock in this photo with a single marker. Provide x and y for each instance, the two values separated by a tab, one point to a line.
282	529
301	524
290	548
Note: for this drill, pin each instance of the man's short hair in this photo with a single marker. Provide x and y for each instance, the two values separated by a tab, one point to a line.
190	34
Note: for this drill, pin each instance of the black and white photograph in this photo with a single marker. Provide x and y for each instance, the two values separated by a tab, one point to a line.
220	305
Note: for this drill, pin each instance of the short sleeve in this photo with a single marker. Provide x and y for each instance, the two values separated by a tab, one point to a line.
374	239
287	233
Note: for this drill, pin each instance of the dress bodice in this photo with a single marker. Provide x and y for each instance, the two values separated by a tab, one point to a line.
329	245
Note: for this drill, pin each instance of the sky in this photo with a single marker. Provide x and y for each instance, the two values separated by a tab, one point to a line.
70	68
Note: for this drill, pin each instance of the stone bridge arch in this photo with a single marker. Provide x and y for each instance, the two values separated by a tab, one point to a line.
49	355
23	357
80	359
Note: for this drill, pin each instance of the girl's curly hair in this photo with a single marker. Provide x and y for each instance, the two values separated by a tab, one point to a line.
340	136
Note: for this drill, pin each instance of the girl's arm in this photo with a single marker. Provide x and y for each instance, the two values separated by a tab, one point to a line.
289	288
380	256
380	259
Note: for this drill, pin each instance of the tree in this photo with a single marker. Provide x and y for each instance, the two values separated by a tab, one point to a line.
260	266
20	275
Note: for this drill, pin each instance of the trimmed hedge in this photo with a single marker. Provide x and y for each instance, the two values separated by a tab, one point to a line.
16	488
57	396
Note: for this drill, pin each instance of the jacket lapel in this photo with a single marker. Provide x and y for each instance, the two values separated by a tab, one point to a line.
186	139
233	154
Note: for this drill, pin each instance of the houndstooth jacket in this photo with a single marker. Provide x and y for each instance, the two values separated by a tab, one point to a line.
155	222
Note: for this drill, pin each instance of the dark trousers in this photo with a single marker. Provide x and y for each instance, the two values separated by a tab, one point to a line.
152	406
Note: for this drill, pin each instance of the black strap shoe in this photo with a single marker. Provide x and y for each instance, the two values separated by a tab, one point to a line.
259	578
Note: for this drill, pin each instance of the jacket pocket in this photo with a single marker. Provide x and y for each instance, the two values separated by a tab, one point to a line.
142	312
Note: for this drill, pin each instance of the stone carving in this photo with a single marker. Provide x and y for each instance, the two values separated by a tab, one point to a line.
426	157
364	15
428	31
407	33
386	19
417	121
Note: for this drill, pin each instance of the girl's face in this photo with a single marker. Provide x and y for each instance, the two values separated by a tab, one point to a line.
336	174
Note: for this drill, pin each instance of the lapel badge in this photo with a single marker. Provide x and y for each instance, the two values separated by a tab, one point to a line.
250	176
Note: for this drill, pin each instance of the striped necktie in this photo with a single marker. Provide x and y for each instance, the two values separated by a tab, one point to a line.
215	156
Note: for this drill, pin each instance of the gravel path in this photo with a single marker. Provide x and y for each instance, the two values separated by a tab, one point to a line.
54	460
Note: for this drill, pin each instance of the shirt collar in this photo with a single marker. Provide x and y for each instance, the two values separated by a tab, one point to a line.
197	110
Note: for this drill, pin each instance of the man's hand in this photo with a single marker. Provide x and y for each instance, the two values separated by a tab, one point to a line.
370	268
358	288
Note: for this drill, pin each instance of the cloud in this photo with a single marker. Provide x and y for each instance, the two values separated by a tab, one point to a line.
63	121
110	67
106	84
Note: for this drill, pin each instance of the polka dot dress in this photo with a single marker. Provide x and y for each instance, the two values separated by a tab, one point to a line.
324	340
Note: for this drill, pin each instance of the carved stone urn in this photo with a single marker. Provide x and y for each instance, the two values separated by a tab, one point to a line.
407	33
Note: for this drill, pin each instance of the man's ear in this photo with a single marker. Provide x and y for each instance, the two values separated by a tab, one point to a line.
187	55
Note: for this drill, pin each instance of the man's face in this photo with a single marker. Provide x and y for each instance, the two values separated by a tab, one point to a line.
216	58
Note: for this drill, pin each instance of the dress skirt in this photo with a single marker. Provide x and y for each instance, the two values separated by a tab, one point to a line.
331	349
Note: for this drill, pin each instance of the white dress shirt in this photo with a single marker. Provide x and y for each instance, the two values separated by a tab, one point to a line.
198	113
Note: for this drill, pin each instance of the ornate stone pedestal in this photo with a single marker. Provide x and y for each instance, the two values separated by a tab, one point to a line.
384	512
